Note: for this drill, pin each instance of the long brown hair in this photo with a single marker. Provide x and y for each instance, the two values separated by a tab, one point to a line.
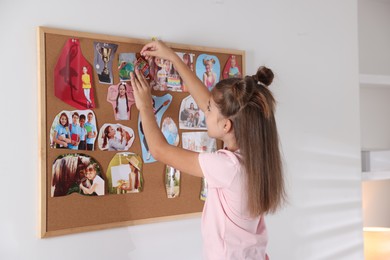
250	106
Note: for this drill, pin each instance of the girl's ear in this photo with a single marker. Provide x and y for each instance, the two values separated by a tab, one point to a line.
228	126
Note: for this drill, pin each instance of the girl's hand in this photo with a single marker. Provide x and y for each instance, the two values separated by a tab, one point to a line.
159	49
141	89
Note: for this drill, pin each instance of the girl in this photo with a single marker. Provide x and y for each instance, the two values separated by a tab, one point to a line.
113	143
122	109
94	182
61	135
245	179
209	77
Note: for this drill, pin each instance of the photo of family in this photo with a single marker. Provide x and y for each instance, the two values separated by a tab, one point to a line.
124	174
75	130
115	137
208	70
103	58
190	116
121	98
76	173
160	105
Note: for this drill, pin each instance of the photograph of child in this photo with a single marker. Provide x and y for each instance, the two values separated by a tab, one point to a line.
121	98
124	174
76	173
190	116
188	59
73	130
208	70
170	132
115	137
172	182
231	70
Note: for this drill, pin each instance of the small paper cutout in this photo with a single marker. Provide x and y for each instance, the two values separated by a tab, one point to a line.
160	105
208	70
121	98
103	58
76	173
74	130
124	174
190	116
115	137
72	77
231	70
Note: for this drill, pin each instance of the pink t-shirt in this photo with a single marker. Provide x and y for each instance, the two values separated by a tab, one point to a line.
228	231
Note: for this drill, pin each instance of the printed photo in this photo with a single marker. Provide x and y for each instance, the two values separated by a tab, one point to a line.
172	182
104	54
188	59
126	63
190	116
160	105
124	174
76	173
231	70
208	70
72	77
75	130
199	142
115	137
170	132
121	98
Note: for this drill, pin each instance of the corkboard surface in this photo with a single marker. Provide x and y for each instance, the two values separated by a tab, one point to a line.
76	213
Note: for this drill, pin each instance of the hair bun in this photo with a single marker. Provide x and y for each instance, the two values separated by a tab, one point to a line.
264	76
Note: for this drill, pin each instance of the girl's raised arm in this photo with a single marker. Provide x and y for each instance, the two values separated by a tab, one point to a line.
195	86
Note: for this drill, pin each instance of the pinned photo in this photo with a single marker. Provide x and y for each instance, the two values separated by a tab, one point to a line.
199	142
115	137
72	77
208	70
121	98
172	182
124	174
232	70
170	132
103	57
190	116
160	105
75	130
76	173
126	63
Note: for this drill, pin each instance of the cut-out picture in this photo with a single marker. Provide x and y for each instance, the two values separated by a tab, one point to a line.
160	105
76	173
121	98
126	65
75	130
162	69
142	65
190	116
124	174
72	77
172	182
103	58
198	142
231	70
115	137
188	59
169	130
208	70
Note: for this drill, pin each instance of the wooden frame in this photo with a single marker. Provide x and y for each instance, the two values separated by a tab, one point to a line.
167	209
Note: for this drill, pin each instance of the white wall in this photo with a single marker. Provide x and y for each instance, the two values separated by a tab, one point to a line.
312	48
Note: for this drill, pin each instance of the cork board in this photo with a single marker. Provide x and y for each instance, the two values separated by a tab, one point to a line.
77	213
